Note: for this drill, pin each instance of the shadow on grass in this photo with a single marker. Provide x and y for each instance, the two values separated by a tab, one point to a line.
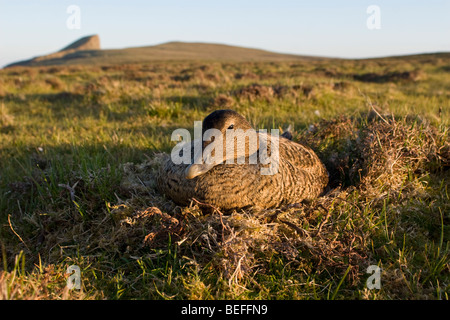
57	226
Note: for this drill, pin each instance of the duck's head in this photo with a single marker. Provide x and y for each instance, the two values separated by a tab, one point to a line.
243	141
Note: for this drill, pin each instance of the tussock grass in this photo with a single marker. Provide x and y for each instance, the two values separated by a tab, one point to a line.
80	154
332	235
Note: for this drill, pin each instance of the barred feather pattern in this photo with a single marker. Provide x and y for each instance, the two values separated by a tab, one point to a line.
301	176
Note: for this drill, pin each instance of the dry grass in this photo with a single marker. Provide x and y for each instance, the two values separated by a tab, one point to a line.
375	162
326	236
6	119
79	157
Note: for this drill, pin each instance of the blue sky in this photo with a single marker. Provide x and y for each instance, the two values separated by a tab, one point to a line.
323	27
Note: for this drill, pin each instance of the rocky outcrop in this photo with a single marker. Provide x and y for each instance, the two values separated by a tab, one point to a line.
85	43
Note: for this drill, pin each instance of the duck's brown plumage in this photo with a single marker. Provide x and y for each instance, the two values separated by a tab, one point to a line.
301	175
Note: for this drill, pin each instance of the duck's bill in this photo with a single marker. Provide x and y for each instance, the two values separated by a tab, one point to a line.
203	161
195	170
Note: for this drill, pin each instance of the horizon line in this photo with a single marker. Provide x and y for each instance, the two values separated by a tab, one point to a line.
239	46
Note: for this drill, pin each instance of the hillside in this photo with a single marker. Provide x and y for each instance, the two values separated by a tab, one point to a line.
89	43
80	147
86	51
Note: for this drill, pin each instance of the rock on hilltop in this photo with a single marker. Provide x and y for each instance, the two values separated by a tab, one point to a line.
85	43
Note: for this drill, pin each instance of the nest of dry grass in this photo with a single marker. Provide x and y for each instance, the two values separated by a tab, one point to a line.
369	161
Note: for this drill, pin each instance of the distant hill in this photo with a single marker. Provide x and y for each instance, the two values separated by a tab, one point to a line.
87	51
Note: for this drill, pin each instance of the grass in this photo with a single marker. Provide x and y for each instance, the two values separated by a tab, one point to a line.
80	145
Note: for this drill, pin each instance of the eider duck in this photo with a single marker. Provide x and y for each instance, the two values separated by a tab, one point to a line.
272	172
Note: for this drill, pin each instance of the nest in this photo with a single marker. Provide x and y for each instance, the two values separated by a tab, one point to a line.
370	160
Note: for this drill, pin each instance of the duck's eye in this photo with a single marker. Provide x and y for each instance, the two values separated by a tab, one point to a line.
231	127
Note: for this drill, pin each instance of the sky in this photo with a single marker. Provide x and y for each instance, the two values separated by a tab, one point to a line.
345	29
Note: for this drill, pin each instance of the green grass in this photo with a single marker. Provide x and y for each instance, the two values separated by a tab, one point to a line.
76	127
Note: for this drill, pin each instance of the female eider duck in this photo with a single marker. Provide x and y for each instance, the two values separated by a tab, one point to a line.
251	175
